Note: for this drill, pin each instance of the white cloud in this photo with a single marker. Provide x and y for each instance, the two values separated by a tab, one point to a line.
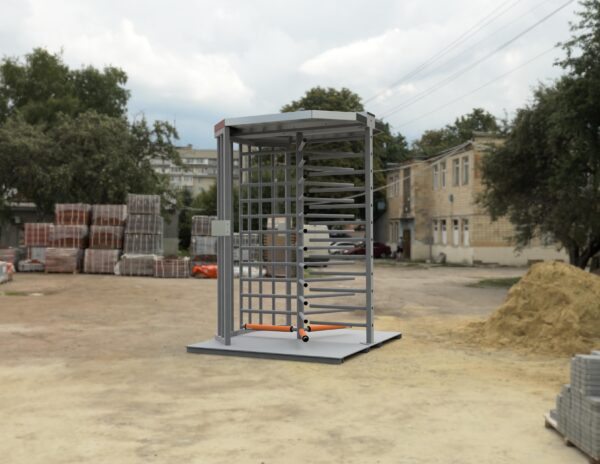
199	62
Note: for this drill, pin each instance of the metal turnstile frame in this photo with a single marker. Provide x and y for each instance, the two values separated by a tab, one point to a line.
275	155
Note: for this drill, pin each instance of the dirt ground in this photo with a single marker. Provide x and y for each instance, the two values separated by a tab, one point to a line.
94	369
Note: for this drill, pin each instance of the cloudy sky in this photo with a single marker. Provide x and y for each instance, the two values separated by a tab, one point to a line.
195	62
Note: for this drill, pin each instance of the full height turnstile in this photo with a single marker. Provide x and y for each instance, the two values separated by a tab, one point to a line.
302	284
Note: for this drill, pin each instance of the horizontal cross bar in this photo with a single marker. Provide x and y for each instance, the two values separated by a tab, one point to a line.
340	307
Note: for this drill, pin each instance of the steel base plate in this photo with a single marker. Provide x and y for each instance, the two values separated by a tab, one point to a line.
331	347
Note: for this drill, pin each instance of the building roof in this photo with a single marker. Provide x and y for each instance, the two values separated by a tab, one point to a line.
460	148
316	125
189	152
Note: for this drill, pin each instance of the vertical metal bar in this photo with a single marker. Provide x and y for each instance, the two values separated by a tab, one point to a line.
299	234
260	234
368	152
249	228
273	215
241	173
227	270
288	241
220	256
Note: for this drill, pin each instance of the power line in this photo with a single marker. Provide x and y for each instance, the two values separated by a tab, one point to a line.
457	74
475	45
458	41
479	88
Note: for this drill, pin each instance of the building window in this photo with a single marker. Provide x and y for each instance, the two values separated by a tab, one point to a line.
397	185
456	172
444	236
443	164
455	233
465	167
435	176
435	231
465	232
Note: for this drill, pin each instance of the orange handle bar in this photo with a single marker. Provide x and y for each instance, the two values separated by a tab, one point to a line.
269	328
303	335
317	328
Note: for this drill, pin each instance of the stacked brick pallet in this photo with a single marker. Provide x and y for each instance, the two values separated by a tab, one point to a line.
106	239
578	406
69	238
143	236
38	237
203	247
6	271
10	255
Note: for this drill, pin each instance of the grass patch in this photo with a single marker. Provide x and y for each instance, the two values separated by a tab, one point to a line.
500	282
21	293
14	293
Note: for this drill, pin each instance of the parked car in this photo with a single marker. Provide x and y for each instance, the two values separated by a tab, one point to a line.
342	244
338	234
380	250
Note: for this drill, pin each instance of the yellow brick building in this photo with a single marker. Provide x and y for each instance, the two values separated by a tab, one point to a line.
432	212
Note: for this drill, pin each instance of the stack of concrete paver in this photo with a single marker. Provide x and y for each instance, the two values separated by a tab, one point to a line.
578	405
203	247
69	237
143	243
178	268
137	265
106	239
144	229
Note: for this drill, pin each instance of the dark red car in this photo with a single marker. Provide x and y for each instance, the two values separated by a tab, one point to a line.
380	250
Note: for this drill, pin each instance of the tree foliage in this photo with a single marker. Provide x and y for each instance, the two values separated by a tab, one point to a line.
42	86
64	135
546	177
387	147
330	99
91	158
437	140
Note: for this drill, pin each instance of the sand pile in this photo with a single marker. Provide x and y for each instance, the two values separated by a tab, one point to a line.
554	308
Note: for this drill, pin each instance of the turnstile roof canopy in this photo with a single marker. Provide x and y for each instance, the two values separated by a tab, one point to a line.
315	125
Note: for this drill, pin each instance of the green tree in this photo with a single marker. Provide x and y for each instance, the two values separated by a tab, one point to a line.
329	99
387	147
205	203
184	203
546	177
437	140
42	86
92	158
64	136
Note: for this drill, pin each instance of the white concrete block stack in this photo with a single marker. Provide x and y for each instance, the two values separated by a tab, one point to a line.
578	405
144	229
203	247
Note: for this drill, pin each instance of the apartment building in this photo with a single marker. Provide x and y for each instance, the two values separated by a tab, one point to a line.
432	212
199	171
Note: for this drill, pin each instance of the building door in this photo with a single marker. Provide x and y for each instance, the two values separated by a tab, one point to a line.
406	243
